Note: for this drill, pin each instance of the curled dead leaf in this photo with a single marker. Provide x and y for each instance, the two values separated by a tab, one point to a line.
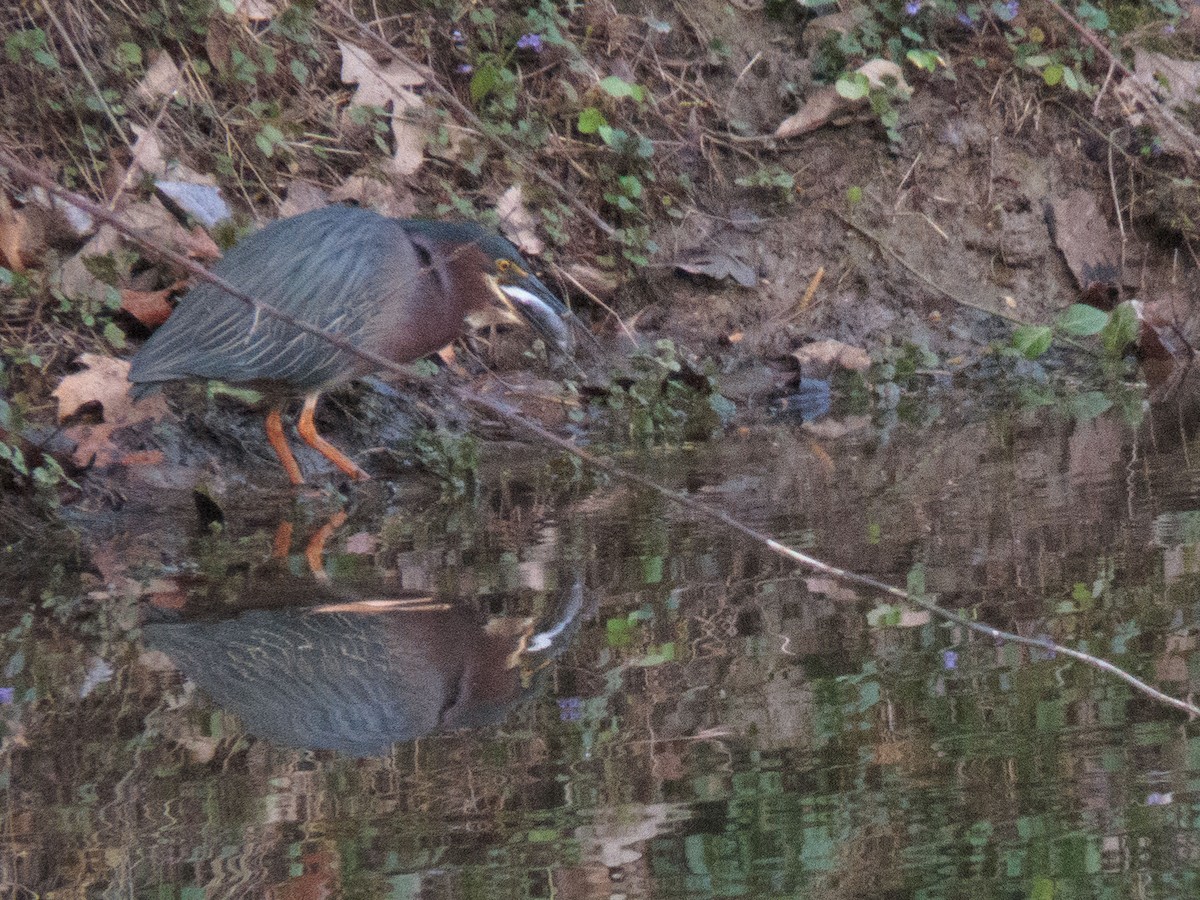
196	198
883	73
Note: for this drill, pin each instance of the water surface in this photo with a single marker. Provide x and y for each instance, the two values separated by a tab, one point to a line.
563	687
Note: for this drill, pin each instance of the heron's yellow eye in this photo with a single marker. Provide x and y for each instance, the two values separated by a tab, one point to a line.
508	271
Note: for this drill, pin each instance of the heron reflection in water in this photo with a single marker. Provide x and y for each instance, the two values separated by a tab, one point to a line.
359	675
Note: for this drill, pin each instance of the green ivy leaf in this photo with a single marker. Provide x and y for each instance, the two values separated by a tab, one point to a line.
1082	320
1031	341
1121	330
131	54
114	335
485	80
1092	16
620	88
590	121
853	86
1089	405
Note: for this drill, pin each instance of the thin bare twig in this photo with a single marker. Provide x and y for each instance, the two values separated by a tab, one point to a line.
86	72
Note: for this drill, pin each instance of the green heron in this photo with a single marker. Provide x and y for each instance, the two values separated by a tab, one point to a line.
399	288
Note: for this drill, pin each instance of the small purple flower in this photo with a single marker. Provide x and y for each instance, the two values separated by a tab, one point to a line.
570	709
1008	11
964	19
464	69
1168	29
6	696
912	7
530	42
949	659
456	37
1157	799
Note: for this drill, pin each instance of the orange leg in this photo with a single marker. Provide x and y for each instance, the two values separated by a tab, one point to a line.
274	426
316	545
308	431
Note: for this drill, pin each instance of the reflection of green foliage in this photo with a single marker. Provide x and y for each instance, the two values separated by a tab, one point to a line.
666	400
454	458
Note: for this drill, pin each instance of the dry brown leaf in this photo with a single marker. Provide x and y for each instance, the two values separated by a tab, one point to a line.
256	10
380	85
218	43
154	219
827	355
74	279
1159	333
200	245
1176	81
1177	87
161	80
410	139
826	104
149	307
103	381
717	263
200	201
13	230
147	152
517	222
820	108
883	73
302	197
598	281
68	219
377	195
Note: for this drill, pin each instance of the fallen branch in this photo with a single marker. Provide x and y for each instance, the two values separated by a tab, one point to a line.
512	417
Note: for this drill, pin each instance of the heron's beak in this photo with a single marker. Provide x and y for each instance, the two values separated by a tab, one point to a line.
538	307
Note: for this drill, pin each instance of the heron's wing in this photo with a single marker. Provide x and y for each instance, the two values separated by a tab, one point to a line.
321	267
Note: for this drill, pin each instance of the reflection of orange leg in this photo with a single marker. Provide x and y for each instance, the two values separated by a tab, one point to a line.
316	546
308	431
274	427
283	541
